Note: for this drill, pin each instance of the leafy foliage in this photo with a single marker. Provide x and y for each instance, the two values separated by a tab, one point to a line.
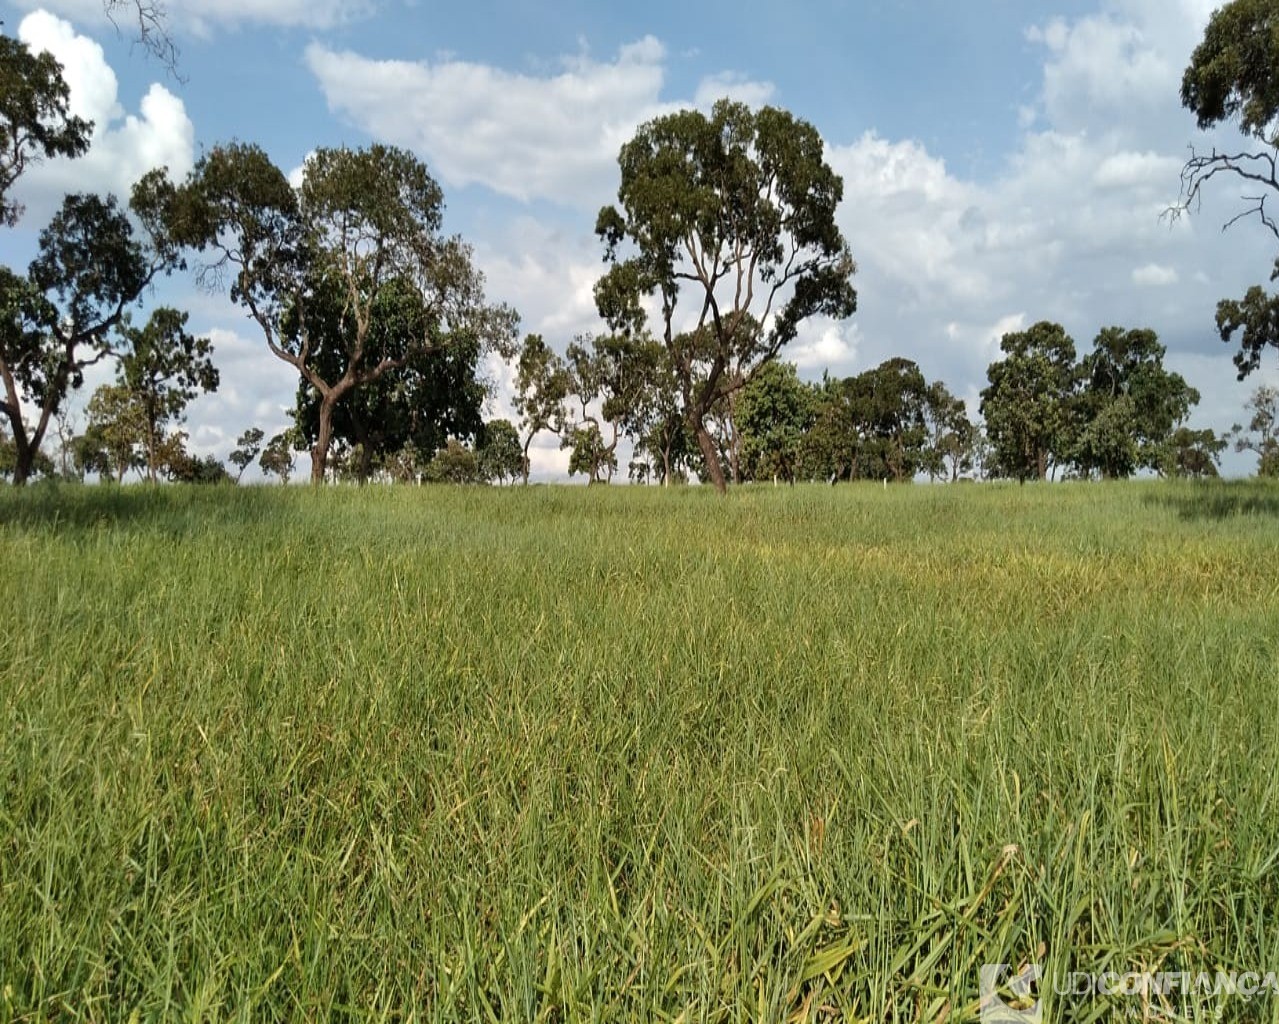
732	215
1256	315
542	385
61	318
1232	73
277	456
500	454
1029	405
1128	403
349	278
248	445
775	412
35	117
163	368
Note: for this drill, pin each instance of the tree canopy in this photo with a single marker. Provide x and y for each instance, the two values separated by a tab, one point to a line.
1028	405
729	221
35	117
1234	76
322	268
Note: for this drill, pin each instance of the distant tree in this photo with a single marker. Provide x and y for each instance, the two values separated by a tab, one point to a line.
35	117
1262	435
453	464
501	457
888	403
116	433
190	469
277	456
658	429
950	433
776	410
1029	406
832	445
64	429
589	455
164	368
611	379
542	384
248	445
732	215
1191	453
362	236
61	318
1128	404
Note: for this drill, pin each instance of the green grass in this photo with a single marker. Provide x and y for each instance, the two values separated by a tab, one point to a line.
622	754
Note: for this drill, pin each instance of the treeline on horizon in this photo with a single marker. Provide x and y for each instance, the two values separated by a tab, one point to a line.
722	244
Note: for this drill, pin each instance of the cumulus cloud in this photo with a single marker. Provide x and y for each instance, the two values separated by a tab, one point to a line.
124	146
825	345
529	136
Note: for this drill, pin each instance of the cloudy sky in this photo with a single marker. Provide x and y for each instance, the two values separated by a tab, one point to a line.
1004	161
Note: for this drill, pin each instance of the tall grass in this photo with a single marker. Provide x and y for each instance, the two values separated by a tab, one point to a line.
623	754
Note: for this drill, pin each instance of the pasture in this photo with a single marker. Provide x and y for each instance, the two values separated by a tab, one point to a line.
562	754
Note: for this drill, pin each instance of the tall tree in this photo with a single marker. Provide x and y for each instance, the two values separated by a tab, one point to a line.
1233	76
732	218
35	117
1129	403
1029	406
364	221
61	318
164	368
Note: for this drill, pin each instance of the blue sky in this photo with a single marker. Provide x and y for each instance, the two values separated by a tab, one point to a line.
1004	161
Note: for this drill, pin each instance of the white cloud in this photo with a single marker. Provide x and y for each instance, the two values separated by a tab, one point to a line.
529	136
825	345
1152	275
733	86
202	17
124	146
256	390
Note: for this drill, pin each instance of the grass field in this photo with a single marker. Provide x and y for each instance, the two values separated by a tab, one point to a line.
562	754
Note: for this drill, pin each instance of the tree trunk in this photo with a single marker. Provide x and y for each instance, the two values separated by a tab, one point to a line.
24	459
525	466
323	440
710	456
